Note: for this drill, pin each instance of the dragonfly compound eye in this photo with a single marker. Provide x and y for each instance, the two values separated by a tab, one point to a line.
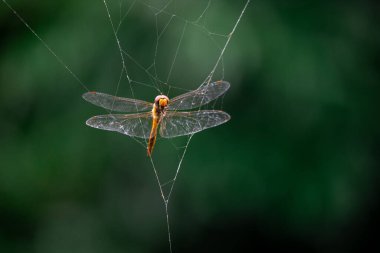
163	102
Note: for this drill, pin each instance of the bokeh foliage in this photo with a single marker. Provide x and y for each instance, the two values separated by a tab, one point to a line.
295	168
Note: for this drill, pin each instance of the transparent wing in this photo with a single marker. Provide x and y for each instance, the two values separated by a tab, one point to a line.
198	97
135	125
184	123
117	104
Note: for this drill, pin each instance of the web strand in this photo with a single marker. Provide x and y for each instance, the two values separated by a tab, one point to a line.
46	45
209	78
175	56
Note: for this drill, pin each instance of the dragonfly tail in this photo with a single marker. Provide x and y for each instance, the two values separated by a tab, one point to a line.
152	141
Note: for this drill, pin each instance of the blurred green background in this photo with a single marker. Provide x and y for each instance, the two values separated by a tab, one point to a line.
296	168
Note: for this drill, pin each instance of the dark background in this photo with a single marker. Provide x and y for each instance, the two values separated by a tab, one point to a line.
296	168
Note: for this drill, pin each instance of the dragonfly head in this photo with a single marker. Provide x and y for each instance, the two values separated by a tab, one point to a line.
161	101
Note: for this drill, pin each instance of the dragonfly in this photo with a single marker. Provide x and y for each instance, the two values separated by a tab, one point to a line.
169	115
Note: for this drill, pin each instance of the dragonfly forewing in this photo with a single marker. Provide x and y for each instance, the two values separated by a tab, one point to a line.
185	123
135	125
199	97
117	104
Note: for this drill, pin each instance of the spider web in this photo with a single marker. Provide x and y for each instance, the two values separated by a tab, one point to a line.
137	74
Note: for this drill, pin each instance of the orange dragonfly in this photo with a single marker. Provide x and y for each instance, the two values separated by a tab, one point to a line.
168	114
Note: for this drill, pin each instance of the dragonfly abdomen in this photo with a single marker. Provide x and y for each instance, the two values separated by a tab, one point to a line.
153	132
